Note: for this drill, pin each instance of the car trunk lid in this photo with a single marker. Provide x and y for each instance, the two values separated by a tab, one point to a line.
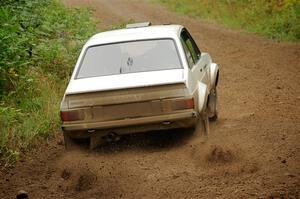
124	81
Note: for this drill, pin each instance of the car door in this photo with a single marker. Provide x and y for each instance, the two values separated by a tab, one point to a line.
197	64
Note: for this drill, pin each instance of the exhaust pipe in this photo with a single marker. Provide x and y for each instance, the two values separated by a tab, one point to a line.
166	122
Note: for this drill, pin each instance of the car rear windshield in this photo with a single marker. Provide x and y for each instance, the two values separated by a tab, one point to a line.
129	57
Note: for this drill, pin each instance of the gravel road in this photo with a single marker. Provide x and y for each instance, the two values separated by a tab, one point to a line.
253	150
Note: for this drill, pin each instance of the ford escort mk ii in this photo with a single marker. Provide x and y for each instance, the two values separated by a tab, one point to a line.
138	79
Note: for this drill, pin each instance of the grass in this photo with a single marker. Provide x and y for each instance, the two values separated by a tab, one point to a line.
276	19
40	42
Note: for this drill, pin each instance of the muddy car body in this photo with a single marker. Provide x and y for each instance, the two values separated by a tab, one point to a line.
138	79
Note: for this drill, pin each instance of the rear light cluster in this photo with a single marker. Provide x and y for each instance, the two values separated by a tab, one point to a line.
178	104
67	116
183	104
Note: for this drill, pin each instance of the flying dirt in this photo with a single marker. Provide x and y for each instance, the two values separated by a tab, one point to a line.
252	151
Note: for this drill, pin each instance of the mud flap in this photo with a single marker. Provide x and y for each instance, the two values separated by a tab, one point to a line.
202	106
202	97
202	128
212	105
205	120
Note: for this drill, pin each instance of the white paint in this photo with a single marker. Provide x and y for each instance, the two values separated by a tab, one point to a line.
198	80
121	81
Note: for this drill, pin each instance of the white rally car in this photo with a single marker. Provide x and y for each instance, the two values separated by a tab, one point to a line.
138	79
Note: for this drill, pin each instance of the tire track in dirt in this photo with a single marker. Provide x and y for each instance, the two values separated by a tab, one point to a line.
252	151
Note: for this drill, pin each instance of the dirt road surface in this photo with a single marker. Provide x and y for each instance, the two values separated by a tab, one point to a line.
253	150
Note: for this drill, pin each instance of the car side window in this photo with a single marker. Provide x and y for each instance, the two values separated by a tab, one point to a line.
188	54
190	47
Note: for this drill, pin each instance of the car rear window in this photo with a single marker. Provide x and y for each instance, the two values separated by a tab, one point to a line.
129	57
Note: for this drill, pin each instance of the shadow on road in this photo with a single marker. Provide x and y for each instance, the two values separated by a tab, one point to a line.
149	141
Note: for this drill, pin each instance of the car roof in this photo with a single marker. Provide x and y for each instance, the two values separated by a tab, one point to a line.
139	33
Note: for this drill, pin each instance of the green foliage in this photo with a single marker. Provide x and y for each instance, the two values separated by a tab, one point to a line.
65	31
18	19
276	19
40	41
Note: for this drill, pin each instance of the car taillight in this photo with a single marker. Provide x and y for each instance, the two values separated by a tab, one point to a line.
183	104
71	116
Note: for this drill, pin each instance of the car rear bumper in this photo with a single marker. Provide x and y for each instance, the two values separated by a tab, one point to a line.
131	125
